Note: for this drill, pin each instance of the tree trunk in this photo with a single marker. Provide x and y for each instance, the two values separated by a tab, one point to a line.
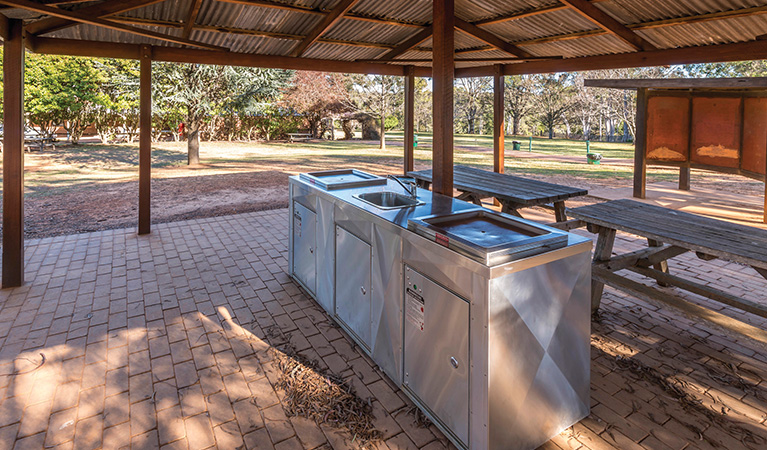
193	145
515	124
383	132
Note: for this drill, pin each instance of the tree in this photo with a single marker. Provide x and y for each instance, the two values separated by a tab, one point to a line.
62	90
317	95
118	109
519	99
472	96
202	93
554	96
379	95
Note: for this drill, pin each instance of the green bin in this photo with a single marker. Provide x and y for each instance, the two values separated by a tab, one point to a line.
516	145
415	140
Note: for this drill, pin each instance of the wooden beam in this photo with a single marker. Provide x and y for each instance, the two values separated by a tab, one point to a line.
489	38
84	18
408	44
640	146
325	24
3	27
499	122
609	23
103	9
322	12
77	47
680	83
742	51
13	155
191	18
442	96
467	60
409	159
145	141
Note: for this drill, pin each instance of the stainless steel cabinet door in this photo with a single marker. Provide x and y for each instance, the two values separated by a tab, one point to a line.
437	351
353	263
304	246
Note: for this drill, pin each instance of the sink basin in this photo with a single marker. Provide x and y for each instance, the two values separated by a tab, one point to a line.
388	200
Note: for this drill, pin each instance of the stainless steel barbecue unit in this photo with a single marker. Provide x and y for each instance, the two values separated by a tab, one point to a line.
480	317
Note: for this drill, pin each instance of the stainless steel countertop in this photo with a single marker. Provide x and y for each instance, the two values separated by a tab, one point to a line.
434	204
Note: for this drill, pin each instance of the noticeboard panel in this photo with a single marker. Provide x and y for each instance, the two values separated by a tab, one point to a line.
668	128
755	135
716	126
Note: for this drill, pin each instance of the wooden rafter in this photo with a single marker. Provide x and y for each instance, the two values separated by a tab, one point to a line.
316	11
83	18
245	32
191	18
490	38
408	44
609	24
525	13
99	10
325	24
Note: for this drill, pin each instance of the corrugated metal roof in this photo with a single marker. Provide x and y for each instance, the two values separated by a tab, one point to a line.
376	36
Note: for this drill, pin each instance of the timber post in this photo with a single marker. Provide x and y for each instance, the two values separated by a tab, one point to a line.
640	144
443	72
145	141
499	146
409	119
13	155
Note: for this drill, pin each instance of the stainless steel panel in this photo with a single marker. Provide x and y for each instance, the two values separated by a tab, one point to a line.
304	243
386	302
538	352
353	271
489	237
437	351
342	179
326	244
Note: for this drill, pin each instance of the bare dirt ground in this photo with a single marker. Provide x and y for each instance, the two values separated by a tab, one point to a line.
81	189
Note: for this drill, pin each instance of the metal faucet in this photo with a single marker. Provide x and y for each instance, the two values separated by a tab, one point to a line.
412	190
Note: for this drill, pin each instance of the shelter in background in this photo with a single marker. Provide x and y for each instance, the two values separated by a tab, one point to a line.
717	124
441	39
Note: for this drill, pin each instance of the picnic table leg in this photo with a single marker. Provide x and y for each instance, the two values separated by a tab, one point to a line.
509	209
602	252
559	211
661	266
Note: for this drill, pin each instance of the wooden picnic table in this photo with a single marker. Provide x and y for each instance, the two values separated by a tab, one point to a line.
670	233
512	192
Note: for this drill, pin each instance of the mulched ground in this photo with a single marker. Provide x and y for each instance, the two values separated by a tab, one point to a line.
115	205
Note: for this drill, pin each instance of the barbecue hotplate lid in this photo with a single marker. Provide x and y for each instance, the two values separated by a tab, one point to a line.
342	179
487	236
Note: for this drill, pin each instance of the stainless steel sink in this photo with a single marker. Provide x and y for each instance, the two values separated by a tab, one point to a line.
388	200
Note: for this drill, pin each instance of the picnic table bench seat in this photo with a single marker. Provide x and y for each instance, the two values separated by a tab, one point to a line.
670	233
512	192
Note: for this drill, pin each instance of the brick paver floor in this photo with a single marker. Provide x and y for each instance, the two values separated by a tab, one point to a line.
162	341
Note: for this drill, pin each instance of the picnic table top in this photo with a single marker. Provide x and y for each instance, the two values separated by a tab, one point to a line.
518	190
726	240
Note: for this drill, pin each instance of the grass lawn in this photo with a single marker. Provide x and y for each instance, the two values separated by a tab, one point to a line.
91	165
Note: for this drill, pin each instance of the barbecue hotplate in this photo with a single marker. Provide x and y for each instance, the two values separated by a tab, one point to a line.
342	179
488	237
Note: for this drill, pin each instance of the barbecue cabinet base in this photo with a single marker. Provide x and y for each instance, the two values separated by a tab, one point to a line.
494	350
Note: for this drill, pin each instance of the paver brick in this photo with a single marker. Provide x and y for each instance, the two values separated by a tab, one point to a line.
215	290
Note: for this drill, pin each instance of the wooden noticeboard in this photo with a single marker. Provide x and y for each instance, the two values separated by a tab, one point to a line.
713	130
